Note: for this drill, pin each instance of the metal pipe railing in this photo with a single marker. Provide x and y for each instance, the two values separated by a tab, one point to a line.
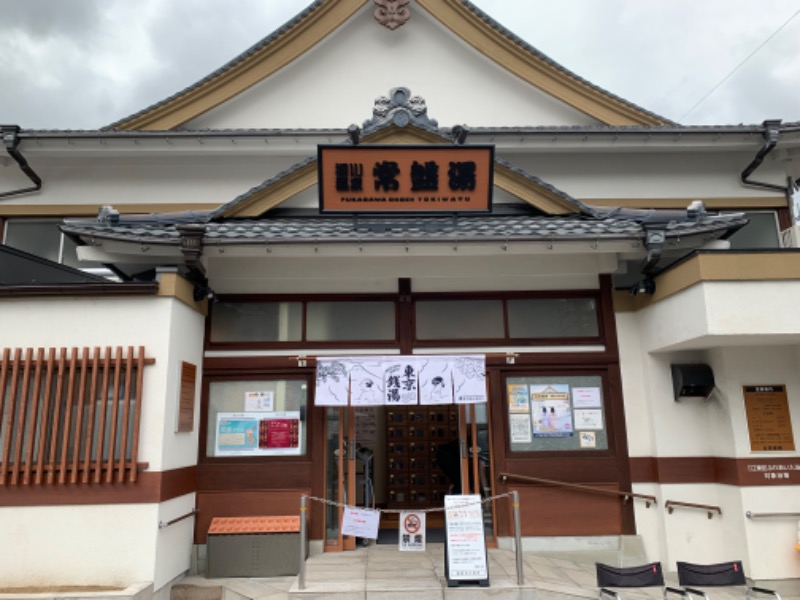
517	537
671	504
301	576
162	524
584	488
778	515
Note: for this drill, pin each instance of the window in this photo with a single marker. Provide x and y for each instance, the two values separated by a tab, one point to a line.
257	418
552	318
459	319
760	232
257	321
43	238
556	413
313	321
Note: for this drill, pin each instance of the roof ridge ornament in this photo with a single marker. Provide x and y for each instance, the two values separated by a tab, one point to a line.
392	13
401	109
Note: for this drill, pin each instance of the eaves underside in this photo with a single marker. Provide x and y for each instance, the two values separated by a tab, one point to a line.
326	16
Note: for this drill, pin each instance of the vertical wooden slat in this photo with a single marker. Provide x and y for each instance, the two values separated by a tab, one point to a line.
33	421
81	401
9	401
46	402
22	411
88	440
67	431
112	434
101	434
126	412
57	402
137	412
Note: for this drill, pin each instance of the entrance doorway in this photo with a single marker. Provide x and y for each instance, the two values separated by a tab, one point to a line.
405	459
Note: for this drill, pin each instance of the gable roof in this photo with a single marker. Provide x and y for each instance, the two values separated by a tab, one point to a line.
324	17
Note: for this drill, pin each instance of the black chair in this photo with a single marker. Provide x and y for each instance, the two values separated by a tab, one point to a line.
641	576
727	574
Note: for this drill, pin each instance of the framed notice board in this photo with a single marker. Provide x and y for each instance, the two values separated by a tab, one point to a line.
768	418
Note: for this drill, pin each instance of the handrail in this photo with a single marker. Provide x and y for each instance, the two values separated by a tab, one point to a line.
787	515
671	504
162	524
584	488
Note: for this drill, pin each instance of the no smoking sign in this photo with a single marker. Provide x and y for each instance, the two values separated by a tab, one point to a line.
412	531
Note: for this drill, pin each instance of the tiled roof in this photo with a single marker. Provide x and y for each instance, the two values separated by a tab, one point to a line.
346	229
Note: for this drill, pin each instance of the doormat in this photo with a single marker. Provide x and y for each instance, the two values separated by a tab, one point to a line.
433	535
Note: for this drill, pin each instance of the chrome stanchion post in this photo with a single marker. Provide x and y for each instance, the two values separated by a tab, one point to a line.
301	577
517	537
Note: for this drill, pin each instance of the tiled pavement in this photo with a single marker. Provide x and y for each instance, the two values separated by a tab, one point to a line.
381	572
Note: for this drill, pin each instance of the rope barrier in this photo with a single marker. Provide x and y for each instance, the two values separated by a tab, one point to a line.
402	510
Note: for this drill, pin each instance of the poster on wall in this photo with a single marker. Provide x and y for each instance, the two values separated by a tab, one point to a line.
259	401
588	418
518	398
551	411
520	428
586	397
258	434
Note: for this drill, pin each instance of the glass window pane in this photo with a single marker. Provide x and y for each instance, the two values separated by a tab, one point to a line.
459	319
557	412
39	237
256	321
552	318
257	418
760	232
337	321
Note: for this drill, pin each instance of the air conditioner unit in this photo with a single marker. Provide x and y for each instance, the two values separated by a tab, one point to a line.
790	238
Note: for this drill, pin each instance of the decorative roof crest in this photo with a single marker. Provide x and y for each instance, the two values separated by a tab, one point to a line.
392	13
400	109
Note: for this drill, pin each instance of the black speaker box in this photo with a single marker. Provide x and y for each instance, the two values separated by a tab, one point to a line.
692	380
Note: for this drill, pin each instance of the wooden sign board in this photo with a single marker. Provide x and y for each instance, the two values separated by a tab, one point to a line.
403	179
768	418
465	559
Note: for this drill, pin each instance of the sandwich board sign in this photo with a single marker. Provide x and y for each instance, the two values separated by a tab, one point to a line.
465	545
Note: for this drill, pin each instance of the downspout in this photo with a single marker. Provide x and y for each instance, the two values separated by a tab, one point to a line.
11	141
772	132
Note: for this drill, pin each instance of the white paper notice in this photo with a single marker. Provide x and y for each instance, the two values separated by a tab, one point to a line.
361	522
589	419
435	382
333	382
588	439
520	426
469	379
588	397
466	547
259	401
366	384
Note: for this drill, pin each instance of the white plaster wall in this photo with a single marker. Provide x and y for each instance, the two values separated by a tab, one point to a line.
659	426
336	83
110	545
745	312
173	542
108	321
186	328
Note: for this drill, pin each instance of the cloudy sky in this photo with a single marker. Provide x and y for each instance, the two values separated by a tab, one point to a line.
82	64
